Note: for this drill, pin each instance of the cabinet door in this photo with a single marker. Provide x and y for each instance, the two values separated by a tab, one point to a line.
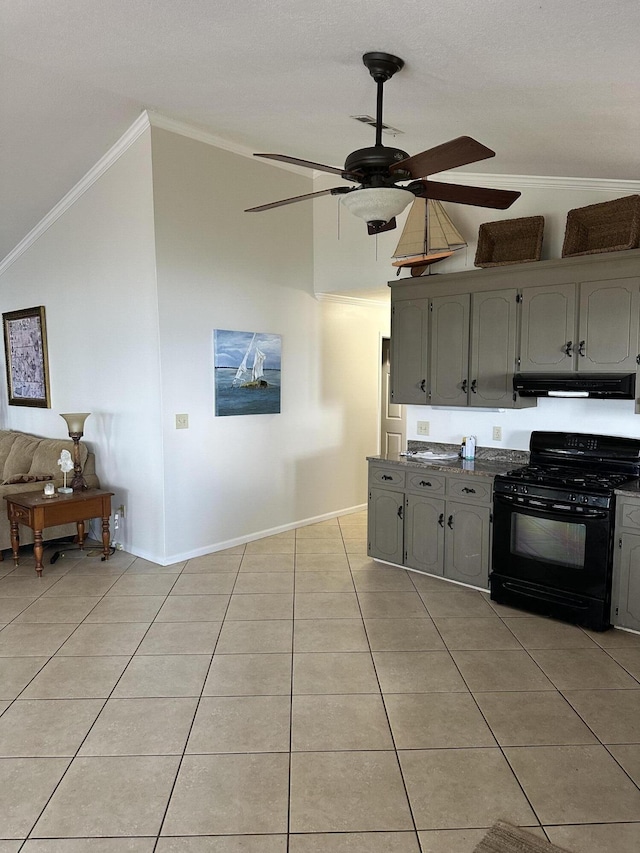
466	555
449	350
626	609
385	525
608	325
493	348
548	328
424	534
409	326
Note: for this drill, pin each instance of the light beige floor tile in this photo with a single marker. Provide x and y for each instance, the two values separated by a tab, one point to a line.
25	786
193	608
628	756
11	607
108	638
256	582
229	794
23	587
46	728
533	719
357	547
614	715
436	720
320	546
149	676
329	635
258	606
281	543
143	584
260	636
33	640
241	724
359	563
387	579
126	608
539	633
417	672
16	673
321	563
213	563
355	842
578	669
89	845
334	672
223	844
500	670
249	675
335	723
11	846
326	605
211	583
391	605
432	583
180	638
145	567
4	704
347	792
450	840
234	550
320	530
629	658
600	790
112	796
141	727
77	678
324	582
403	635
83	585
52	610
267	563
456	602
508	612
616	638
597	838
476	634
462	788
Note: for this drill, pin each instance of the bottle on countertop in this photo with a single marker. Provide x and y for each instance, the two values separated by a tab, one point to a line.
470	447
463	448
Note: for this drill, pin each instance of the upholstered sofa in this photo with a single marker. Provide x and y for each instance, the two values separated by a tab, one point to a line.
26	463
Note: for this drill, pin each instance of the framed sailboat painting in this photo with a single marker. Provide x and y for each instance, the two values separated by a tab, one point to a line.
247	368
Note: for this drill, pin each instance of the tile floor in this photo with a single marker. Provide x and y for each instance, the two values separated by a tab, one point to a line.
291	694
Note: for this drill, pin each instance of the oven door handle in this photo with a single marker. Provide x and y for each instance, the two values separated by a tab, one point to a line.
551	508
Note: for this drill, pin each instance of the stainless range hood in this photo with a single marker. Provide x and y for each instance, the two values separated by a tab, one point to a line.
602	386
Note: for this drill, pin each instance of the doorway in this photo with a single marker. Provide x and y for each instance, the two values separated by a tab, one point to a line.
393	429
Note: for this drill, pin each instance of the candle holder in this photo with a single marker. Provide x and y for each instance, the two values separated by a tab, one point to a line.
75	423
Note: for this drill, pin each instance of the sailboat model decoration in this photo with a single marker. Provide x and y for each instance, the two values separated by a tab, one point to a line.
428	236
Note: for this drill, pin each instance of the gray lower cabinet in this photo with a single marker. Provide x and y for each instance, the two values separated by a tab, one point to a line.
625	602
439	523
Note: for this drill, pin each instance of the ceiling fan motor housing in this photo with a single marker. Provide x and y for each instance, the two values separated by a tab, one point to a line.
370	166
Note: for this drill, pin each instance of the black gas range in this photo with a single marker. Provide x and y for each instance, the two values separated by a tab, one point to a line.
553	525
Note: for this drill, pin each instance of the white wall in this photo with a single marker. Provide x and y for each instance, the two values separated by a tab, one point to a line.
230	478
94	272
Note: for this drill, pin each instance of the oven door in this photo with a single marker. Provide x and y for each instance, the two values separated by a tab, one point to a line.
543	542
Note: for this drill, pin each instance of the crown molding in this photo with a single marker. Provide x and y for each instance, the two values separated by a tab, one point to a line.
605	185
140	125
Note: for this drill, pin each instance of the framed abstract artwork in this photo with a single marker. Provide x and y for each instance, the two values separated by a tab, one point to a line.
247	368
25	347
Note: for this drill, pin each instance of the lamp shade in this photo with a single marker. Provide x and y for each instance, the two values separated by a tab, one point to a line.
377	204
75	421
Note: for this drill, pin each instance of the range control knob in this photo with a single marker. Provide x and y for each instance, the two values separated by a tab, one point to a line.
584	499
573	498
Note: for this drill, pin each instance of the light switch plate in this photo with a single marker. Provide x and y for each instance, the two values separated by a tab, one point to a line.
497	433
423	427
182	421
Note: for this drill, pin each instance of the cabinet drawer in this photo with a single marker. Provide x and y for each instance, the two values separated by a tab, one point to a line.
470	488
629	514
386	477
425	482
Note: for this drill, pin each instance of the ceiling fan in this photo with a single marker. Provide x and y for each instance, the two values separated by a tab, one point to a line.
380	171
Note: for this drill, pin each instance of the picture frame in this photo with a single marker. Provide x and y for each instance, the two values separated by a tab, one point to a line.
27	362
247	372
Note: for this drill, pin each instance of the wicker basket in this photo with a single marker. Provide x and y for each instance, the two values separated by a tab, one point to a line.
609	226
509	241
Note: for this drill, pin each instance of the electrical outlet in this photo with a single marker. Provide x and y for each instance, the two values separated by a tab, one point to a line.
182	421
497	433
423	427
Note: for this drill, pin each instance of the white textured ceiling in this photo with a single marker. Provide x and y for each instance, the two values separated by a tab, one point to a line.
552	85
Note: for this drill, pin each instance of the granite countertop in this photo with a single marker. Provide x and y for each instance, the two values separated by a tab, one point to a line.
631	490
488	462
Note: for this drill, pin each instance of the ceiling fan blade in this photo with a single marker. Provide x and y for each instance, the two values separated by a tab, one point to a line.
308	164
388	226
332	191
478	196
449	155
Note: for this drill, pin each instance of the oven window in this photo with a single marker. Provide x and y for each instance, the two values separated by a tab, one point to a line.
559	542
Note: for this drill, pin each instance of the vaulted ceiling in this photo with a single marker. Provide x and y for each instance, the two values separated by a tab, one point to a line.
553	87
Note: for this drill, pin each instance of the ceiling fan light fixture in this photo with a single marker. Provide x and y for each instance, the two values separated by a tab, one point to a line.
377	204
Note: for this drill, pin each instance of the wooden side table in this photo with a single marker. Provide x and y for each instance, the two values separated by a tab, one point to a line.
38	512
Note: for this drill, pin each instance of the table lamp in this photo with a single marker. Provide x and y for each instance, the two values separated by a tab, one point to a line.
75	422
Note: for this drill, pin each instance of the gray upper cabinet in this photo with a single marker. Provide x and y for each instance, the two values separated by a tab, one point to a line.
494	318
409	328
586	326
449	351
